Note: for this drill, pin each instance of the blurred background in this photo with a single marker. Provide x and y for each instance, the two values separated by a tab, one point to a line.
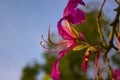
22	22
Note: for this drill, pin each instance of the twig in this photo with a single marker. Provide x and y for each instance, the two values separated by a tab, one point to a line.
98	24
111	45
109	67
114	25
117	2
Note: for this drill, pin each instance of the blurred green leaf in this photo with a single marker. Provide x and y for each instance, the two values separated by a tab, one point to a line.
116	59
46	77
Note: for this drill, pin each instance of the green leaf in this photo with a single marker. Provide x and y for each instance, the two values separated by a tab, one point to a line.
116	58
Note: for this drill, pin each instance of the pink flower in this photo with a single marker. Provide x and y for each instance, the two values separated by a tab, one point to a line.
70	39
119	39
116	74
71	15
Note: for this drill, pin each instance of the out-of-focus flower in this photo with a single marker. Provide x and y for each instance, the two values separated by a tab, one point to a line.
97	64
119	41
85	60
116	74
119	38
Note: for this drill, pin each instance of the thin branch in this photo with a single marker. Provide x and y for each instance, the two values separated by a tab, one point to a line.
114	25
98	23
109	67
117	2
111	44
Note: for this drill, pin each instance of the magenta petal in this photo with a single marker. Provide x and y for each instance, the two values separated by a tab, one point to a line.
72	4
85	62
64	32
81	36
55	71
84	66
119	39
70	45
55	74
76	16
116	74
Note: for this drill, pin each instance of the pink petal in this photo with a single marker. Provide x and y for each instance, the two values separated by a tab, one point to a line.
72	4
119	39
55	74
70	45
84	66
76	16
81	36
85	62
64	32
97	58
116	74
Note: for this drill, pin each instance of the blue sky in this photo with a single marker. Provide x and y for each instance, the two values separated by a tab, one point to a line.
21	24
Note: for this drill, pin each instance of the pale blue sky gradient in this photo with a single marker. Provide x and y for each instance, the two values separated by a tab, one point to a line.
21	24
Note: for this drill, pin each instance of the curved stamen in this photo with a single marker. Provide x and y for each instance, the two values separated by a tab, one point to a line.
49	39
41	43
44	39
54	49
